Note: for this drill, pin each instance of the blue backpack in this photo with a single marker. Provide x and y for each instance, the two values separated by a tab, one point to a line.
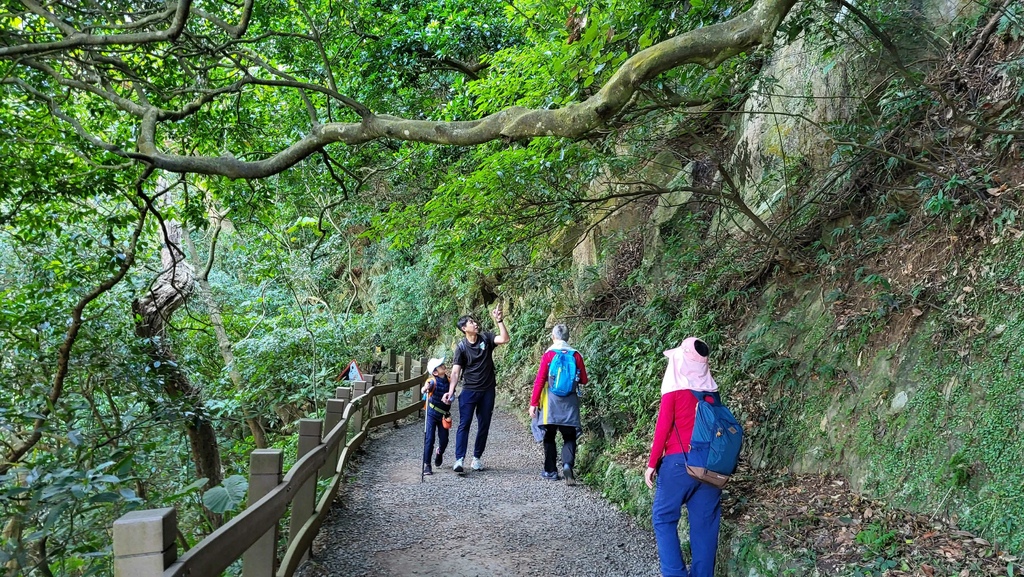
717	438
562	373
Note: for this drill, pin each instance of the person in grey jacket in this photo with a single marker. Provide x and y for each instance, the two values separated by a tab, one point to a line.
556	413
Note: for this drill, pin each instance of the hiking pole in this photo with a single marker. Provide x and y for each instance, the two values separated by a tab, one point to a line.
426	424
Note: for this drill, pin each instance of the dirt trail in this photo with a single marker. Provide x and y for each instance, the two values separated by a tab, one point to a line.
504	520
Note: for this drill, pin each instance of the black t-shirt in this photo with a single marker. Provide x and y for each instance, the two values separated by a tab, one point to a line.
476	362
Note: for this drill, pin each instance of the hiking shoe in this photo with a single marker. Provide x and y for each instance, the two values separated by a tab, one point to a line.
438	458
427	470
552	476
570	478
477	464
458	466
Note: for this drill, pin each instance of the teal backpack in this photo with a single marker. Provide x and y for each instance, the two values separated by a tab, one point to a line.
562	373
716	440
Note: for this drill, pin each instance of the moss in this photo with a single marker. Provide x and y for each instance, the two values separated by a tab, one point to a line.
623	486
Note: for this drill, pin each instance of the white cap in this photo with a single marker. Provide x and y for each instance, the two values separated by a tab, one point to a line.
434	363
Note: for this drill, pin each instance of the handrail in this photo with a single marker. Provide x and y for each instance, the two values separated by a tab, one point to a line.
137	557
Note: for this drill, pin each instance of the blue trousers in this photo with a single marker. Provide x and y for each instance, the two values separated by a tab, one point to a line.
481	403
674	489
434	428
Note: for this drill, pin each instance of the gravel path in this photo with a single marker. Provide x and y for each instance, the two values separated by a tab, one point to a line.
504	520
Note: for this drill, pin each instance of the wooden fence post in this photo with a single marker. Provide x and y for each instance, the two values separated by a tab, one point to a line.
265	467
335	409
305	497
423	365
407	366
343	393
392	360
144	542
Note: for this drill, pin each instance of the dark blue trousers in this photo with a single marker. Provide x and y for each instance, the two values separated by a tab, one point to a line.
481	403
434	428
674	489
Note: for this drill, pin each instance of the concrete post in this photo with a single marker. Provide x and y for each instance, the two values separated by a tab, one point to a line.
391	400
335	409
265	467
358	388
305	497
144	542
413	393
343	393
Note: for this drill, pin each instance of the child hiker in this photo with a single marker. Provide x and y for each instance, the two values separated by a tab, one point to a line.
438	414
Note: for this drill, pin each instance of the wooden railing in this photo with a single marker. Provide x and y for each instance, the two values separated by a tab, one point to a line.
144	541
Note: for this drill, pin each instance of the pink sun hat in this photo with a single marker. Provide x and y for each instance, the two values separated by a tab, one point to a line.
687	369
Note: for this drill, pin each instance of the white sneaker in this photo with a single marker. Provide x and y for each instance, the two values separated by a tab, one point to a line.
477	464
458	466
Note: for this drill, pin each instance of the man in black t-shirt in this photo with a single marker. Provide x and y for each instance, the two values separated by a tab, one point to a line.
474	362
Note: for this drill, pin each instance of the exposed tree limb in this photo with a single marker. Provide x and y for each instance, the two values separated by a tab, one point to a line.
153	311
986	33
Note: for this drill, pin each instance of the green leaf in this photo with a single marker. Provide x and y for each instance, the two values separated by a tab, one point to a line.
645	40
105	497
227	496
193	486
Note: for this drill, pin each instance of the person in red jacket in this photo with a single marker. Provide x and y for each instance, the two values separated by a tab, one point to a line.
558	413
687	374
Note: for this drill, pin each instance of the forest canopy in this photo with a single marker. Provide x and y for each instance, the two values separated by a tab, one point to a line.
191	88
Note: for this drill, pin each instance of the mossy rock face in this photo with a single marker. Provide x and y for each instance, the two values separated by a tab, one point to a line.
622	486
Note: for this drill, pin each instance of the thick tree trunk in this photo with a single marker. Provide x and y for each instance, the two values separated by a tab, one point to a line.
223	342
153	311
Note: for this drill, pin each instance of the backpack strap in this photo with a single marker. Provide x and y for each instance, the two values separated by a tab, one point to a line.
716	398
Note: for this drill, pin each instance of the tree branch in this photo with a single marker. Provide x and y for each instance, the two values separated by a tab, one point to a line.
77	39
706	46
235	32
